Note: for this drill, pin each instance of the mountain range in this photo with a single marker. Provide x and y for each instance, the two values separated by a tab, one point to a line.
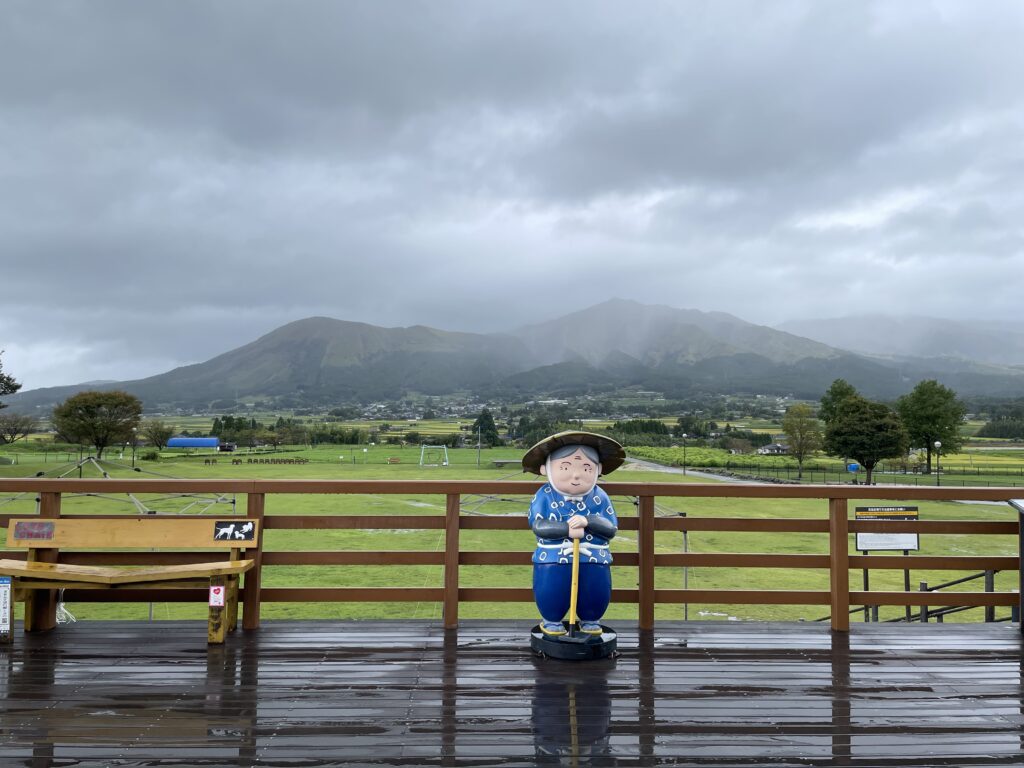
615	344
916	337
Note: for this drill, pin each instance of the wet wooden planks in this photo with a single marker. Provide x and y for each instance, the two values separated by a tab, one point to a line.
408	693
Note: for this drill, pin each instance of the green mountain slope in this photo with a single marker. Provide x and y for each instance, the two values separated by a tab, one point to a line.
618	343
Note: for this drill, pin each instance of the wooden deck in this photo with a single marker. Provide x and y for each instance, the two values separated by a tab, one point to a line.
394	693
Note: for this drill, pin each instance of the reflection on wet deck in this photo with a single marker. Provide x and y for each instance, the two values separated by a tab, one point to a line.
394	693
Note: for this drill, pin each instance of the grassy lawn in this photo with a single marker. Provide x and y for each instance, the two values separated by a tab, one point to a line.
352	462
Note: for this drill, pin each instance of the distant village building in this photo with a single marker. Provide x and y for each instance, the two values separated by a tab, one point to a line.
773	449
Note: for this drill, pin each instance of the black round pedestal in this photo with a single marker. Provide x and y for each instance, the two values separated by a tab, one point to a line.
578	647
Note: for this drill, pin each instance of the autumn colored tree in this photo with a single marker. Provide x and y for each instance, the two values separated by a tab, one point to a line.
802	432
14	426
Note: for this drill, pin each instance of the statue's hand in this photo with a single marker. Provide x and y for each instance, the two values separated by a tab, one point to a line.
576	533
577	521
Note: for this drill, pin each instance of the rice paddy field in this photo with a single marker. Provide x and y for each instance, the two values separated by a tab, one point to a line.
403	463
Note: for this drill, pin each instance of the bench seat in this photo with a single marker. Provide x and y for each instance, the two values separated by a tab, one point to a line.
36	579
108	576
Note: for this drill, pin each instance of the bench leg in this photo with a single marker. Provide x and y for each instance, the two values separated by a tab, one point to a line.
217	624
40	609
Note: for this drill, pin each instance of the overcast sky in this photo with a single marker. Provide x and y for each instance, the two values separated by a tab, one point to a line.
178	178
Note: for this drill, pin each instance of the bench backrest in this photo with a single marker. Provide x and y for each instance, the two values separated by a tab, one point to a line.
132	532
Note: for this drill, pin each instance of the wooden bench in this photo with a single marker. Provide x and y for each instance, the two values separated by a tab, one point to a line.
500	463
394	459
36	578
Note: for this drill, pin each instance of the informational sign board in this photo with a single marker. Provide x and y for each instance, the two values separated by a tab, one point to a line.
5	604
867	542
217	596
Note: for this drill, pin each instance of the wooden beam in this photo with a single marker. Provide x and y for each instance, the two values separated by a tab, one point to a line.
645	548
839	554
255	508
450	610
41	604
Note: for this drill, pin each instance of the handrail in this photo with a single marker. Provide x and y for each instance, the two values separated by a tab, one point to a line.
835	523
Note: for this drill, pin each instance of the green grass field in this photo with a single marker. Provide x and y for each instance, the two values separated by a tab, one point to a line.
353	462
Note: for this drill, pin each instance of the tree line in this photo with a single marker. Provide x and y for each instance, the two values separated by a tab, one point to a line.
927	419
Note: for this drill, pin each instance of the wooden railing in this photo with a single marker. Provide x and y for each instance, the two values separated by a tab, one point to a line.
834	522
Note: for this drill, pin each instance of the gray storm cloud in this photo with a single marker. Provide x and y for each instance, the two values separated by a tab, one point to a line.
178	178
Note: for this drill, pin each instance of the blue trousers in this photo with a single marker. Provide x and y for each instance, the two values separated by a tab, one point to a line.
552	585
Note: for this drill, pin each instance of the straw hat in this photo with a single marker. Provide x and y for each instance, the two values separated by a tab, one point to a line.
611	454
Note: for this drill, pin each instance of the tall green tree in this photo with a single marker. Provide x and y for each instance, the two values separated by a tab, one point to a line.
100	419
486	429
838	391
931	412
802	432
692	426
866	432
8	386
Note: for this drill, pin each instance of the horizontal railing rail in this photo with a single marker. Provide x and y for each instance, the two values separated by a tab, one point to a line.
638	516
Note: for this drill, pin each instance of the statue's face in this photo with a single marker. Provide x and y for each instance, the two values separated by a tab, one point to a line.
573	475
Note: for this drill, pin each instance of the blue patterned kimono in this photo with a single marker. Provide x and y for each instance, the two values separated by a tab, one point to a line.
552	505
552	559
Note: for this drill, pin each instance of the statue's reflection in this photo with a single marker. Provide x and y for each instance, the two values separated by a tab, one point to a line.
571	711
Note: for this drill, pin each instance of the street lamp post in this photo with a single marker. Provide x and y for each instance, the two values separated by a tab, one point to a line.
135	440
938	468
684	453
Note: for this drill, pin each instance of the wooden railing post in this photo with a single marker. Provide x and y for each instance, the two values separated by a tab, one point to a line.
645	548
255	506
41	604
451	561
839	563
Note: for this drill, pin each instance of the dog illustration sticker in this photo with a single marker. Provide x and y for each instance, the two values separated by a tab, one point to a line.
234	530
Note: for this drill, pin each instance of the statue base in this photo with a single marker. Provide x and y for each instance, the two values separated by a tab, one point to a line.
574	646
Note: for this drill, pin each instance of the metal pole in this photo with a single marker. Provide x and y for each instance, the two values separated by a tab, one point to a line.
906	584
990	586
867	616
1018	504
686	570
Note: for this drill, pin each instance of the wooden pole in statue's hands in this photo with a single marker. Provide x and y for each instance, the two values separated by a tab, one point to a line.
575	585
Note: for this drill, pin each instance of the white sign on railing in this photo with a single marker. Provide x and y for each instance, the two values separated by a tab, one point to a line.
5	604
867	542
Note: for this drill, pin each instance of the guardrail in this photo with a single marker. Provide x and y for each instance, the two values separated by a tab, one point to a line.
834	522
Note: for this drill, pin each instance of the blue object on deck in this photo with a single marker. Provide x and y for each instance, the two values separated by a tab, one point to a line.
193	442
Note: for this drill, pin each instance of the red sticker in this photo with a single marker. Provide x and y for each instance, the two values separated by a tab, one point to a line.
37	530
